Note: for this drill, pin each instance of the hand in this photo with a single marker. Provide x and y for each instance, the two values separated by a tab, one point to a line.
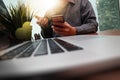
42	21
63	29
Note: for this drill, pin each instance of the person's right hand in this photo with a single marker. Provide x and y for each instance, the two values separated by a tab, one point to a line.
42	21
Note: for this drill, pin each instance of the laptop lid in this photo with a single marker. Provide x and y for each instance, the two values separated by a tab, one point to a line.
93	53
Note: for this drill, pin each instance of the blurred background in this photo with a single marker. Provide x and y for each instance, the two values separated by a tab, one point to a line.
107	12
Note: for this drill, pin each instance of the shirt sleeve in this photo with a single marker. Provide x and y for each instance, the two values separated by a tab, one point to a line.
88	17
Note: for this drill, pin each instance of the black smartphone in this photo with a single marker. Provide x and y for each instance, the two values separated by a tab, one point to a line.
58	18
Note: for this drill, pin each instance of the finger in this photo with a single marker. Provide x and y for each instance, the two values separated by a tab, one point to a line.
64	25
41	20
60	29
46	22
61	33
38	21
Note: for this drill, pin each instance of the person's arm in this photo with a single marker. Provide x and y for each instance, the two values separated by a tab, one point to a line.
89	22
45	24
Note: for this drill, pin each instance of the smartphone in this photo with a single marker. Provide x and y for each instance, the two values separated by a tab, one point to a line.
58	18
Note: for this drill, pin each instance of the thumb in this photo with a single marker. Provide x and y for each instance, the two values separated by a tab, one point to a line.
67	25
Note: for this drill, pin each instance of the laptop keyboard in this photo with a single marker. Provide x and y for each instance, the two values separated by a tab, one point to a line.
28	52
11	54
68	46
42	50
54	47
40	47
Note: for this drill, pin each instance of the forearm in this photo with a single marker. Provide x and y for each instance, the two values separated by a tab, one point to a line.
87	28
89	22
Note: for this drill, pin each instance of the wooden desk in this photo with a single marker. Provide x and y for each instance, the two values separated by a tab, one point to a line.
110	32
107	75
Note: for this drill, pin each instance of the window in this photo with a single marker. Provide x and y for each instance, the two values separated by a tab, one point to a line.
108	14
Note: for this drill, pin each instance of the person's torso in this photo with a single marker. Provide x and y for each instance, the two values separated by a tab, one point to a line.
70	11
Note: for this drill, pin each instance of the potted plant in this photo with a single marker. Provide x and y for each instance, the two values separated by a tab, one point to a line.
18	23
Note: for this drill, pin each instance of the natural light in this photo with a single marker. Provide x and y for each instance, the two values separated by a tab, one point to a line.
41	6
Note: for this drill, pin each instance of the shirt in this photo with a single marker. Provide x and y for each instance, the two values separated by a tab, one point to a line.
79	14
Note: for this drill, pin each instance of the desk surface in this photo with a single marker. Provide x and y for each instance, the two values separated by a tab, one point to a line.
110	32
108	75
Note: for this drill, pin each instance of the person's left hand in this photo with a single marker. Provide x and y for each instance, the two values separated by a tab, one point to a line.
63	29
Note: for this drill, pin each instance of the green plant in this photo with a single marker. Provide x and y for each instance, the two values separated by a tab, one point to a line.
18	15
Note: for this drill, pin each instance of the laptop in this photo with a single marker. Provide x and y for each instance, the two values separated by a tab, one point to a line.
86	53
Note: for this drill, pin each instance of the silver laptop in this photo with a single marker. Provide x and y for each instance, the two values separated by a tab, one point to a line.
82	53
90	53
